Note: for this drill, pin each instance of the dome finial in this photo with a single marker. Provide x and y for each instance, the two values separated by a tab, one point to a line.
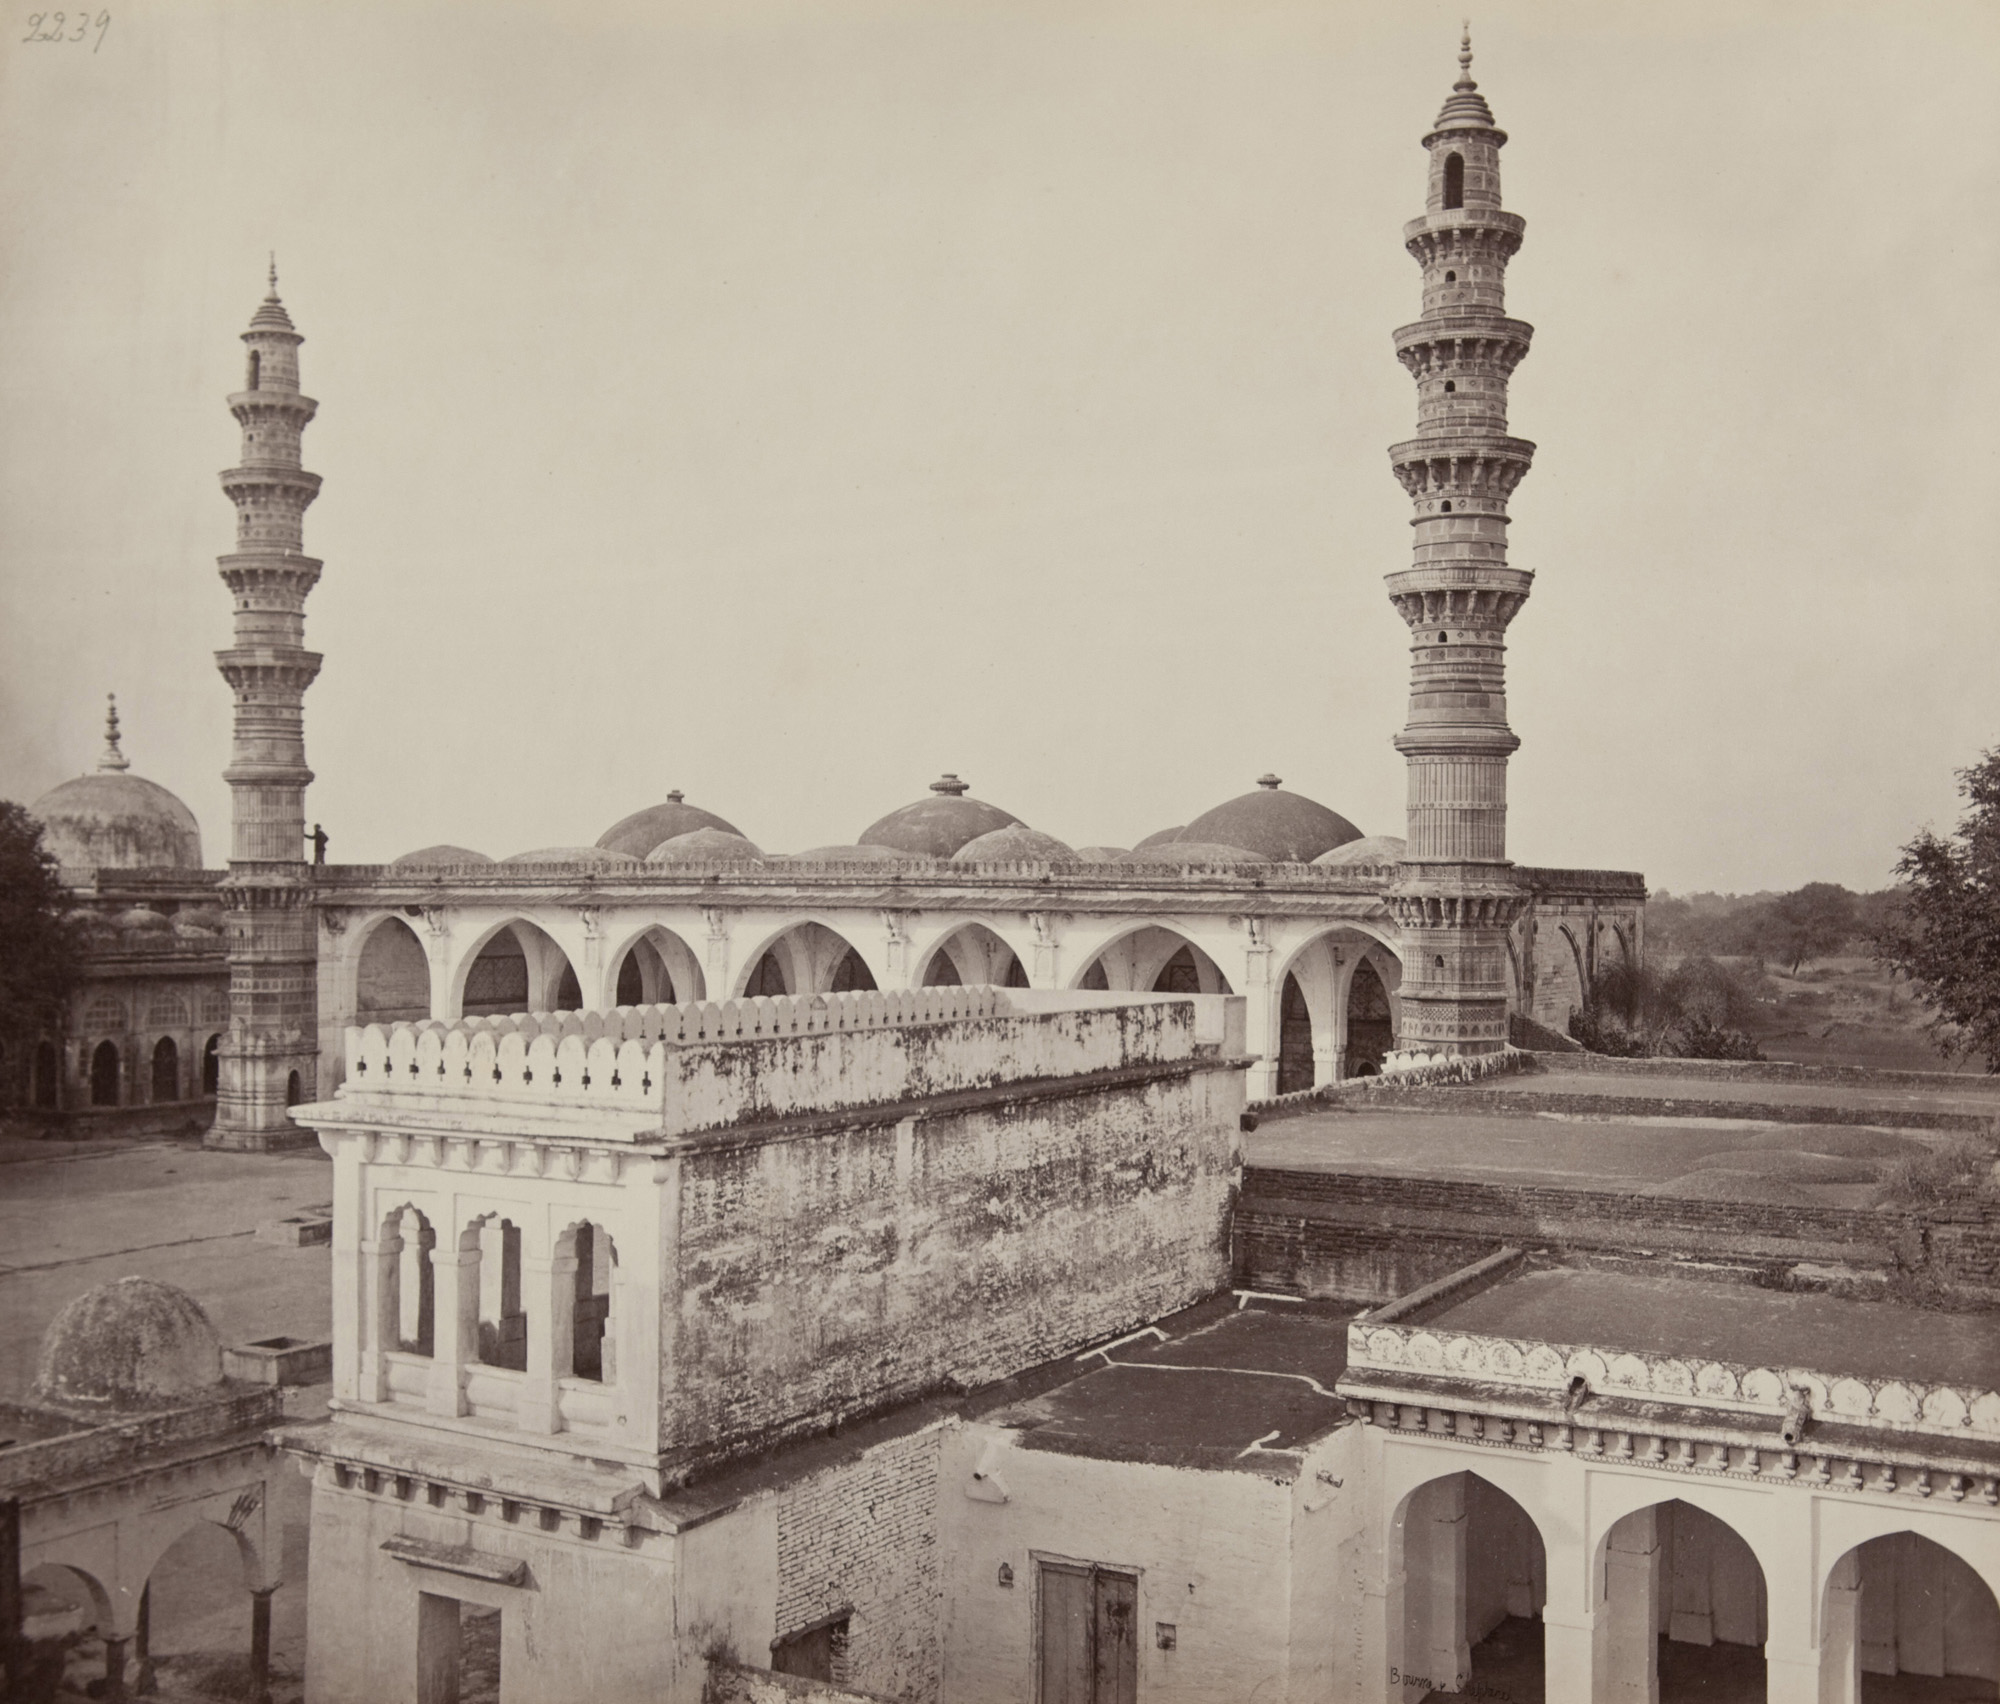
274	275
113	758
1269	782
1465	59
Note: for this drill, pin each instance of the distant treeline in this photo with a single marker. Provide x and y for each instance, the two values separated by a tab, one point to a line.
1819	920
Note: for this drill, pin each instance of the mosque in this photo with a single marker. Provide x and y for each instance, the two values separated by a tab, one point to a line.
1355	952
847	1276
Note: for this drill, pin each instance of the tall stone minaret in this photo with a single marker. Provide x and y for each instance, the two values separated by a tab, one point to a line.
269	1054
1455	896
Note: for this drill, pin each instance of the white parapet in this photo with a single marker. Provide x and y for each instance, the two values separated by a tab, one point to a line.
683	1069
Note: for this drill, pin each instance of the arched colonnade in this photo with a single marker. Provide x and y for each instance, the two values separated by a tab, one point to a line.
1505	1576
1322	995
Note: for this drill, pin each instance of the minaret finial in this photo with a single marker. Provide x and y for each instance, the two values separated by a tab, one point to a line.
1465	59
113	758
274	272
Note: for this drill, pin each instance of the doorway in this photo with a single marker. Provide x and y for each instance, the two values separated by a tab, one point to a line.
1087	1631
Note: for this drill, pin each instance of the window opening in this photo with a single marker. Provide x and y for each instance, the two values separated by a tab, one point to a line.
294	1089
591	1340
1450	385
458	1651
1454	180
256	368
818	1652
413	1309
211	1065
503	1322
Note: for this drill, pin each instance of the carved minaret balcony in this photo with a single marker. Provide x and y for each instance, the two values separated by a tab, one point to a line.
1455	897
269	1055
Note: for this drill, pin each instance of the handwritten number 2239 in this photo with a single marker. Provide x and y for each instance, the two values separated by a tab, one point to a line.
55	26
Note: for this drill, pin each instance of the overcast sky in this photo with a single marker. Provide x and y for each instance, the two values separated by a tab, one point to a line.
790	402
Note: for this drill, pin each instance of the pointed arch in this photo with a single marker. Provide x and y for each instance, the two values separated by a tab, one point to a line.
166	1083
1474	1565
656	964
1454	180
805	956
593	1330
1901	1603
1150	958
1684	1600
104	1074
392	974
513	965
969	954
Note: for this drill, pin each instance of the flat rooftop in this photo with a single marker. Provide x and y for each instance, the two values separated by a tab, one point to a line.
1731	1322
1214	1392
1714	1159
1977	1095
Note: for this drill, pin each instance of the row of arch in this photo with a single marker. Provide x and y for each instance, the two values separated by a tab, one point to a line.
1681	1598
108	1076
519	967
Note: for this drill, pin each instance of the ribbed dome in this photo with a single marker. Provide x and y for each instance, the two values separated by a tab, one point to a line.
136	1343
705	846
590	855
1017	843
938	826
1288	828
640	832
1370	849
114	820
444	856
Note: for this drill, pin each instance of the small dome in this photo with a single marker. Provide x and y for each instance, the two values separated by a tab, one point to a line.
937	827
1287	828
114	820
440	857
640	832
136	1343
1369	849
1017	843
1197	852
1159	839
705	846
144	917
593	855
1104	855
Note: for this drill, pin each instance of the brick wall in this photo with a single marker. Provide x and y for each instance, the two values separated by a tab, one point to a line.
861	1538
823	1274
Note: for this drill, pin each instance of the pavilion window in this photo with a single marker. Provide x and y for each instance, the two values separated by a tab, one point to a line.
503	1321
1454	180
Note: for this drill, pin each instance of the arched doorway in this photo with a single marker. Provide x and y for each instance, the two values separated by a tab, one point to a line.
520	970
392	978
1682	1598
1475	1579
1295	1039
104	1074
166	1083
194	1618
809	959
1905	1607
658	969
1156	961
1371	1024
295	1088
974	955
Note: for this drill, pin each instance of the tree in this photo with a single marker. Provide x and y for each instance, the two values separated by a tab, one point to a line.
41	946
1810	923
1948	937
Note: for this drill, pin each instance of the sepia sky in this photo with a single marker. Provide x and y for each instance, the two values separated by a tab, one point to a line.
788	402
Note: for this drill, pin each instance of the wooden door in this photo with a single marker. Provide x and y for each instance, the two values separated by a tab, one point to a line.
1088	1630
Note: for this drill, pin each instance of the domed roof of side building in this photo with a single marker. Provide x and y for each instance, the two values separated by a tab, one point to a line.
1197	852
640	832
593	855
443	856
1369	849
135	1343
114	820
1017	843
705	846
1104	854
938	826
1288	828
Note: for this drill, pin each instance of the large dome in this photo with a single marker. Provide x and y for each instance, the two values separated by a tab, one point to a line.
640	832
938	826
114	820
135	1343
1287	828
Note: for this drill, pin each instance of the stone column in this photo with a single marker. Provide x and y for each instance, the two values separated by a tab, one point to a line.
1434	1586
143	1679
1264	1021
549	1289
1837	1679
1569	1641
1629	1620
381	1314
114	1671
260	1645
715	968
455	1326
1046	971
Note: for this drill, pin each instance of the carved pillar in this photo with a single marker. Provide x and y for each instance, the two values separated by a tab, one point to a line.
455	1317
1047	971
1262	1012
381	1314
260	1645
715	967
1629	1620
549	1289
437	948
896	949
